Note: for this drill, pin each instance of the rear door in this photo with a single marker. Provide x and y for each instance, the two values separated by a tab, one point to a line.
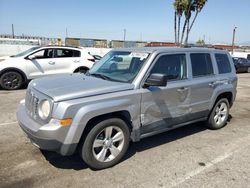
203	84
66	60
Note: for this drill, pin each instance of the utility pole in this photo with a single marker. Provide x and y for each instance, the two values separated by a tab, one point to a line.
66	32
233	41
13	33
124	36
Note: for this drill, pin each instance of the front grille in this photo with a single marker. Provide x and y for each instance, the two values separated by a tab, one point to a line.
31	103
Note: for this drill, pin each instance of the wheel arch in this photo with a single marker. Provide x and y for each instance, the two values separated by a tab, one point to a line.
227	94
16	70
80	68
123	115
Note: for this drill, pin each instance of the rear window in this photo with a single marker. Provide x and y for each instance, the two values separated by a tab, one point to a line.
62	53
201	64
223	63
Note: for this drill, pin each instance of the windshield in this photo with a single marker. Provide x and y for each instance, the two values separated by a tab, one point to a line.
25	52
119	66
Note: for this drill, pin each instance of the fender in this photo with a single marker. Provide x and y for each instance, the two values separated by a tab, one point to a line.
87	112
218	91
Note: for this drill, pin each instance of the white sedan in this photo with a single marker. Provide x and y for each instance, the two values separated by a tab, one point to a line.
42	61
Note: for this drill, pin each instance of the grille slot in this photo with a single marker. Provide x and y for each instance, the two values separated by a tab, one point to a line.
31	103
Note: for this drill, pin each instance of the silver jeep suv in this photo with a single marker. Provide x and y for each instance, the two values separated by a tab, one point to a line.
128	95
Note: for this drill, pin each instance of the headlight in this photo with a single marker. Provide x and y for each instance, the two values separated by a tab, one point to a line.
44	109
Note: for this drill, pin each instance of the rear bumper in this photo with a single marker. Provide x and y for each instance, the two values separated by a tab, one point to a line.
50	139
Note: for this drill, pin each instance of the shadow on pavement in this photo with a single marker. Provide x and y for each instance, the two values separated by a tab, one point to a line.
75	162
65	162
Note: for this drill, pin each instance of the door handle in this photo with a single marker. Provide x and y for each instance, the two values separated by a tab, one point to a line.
182	89
212	84
52	63
76	61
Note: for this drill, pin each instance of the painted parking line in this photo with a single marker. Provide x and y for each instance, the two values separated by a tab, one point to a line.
9	123
236	147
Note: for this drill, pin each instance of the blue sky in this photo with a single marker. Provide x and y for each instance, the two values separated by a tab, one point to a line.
147	19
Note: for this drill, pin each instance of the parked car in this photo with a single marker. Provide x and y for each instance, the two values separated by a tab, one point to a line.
42	61
241	64
128	95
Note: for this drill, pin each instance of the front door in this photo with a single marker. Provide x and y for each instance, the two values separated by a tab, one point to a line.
164	107
41	64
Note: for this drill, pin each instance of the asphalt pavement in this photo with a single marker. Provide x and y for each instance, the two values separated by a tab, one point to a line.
191	156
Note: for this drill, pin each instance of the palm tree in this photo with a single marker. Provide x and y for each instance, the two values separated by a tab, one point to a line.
189	7
197	7
179	6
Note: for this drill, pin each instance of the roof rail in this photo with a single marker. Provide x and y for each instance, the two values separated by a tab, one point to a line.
69	46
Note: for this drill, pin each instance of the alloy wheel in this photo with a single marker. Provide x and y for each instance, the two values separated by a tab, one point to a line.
108	144
11	80
220	113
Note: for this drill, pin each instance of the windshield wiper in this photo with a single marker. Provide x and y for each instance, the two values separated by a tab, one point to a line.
104	77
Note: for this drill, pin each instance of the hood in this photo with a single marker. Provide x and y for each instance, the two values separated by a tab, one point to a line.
4	57
72	86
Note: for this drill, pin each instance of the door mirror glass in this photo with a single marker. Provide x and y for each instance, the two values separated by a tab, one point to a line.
156	80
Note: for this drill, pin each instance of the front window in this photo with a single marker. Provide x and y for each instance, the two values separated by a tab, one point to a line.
119	66
44	54
173	66
25	52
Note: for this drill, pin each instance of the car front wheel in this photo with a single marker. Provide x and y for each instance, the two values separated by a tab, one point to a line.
11	80
106	143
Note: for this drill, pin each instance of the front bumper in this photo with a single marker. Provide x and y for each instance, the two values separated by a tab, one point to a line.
45	139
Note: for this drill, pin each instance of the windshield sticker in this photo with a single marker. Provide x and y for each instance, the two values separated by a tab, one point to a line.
140	55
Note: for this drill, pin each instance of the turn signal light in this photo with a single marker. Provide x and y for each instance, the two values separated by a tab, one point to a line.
65	122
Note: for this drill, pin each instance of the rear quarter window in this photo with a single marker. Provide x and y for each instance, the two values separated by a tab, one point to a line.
223	63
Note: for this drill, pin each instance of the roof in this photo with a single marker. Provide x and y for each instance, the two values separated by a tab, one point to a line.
59	46
168	49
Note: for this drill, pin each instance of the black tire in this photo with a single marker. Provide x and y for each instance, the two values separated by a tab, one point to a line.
88	151
213	121
248	70
11	80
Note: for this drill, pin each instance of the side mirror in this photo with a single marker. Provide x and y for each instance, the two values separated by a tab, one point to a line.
156	80
31	57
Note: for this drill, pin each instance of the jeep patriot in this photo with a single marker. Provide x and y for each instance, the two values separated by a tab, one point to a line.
128	95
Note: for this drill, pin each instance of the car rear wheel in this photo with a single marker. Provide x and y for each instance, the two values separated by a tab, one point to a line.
11	80
248	70
106	143
219	115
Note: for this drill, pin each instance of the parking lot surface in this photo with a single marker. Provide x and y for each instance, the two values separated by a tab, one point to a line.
191	156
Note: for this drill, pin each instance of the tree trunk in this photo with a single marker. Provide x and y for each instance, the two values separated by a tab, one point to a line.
183	31
190	27
175	29
179	28
187	32
196	14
